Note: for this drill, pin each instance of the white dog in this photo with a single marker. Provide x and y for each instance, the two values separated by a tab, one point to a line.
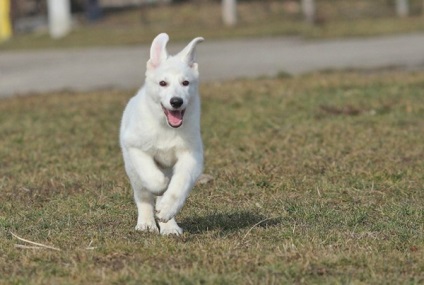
160	137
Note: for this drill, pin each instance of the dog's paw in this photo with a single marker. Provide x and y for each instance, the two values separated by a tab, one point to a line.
164	216
168	208
158	185
167	229
147	227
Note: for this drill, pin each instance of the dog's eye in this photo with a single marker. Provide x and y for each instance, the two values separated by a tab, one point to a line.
186	83
163	83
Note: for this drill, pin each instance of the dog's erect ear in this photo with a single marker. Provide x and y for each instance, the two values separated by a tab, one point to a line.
158	51
189	52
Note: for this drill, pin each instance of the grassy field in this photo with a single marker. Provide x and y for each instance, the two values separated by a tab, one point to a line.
318	180
256	18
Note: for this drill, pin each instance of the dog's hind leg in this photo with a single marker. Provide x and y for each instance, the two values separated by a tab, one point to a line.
145	202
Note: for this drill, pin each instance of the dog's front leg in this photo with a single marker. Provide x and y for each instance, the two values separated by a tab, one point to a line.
151	177
145	202
186	171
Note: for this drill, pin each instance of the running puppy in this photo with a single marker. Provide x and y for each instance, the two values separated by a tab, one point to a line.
160	137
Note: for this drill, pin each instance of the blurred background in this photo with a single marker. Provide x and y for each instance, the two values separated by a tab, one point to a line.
49	45
32	23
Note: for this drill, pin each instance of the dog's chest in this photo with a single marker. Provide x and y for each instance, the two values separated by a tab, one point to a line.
165	149
165	159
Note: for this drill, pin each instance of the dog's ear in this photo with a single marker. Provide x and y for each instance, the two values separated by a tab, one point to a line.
188	54
158	51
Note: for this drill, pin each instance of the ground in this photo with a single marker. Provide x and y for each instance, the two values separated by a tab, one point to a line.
318	179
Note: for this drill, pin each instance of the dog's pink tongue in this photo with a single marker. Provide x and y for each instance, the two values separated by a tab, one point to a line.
175	118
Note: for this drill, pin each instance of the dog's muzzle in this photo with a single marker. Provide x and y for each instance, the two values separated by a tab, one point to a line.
174	117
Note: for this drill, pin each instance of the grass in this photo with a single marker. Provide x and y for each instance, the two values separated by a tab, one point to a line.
256	18
318	180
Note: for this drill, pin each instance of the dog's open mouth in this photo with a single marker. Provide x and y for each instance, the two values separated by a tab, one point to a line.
174	117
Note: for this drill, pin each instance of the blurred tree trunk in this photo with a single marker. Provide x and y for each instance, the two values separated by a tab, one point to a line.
229	12
309	10
402	8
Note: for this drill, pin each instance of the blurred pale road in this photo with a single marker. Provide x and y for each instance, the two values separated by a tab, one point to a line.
123	67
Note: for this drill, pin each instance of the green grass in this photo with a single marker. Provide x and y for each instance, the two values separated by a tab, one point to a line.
256	18
318	180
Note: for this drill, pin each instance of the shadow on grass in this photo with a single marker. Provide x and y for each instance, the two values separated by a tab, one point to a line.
227	222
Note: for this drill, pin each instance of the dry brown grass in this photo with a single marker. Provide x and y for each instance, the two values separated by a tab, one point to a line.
305	190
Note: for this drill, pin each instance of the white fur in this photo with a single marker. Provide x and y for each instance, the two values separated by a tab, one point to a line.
163	162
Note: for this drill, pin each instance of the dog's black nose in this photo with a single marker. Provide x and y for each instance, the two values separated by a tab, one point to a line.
176	102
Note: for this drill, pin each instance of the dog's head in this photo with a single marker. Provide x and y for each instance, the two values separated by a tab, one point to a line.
172	80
